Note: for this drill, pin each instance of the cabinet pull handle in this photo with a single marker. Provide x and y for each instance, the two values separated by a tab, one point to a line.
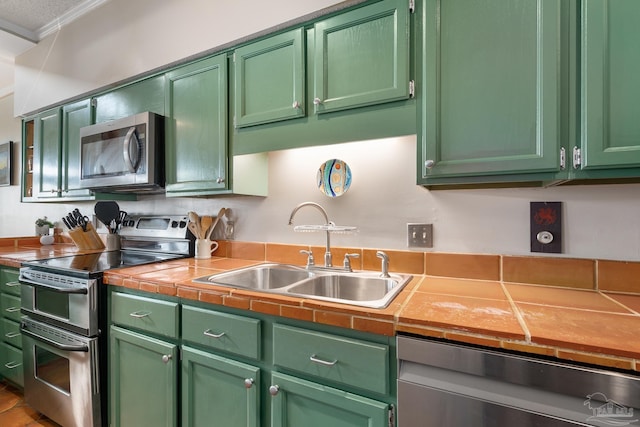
12	365
317	101
296	105
429	164
140	314
12	284
166	358
12	309
274	389
314	359
248	382
212	335
12	334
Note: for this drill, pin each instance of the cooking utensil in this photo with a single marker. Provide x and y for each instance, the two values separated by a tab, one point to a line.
221	213
107	211
205	223
195	219
193	228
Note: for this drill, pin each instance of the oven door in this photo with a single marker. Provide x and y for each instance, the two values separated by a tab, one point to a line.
61	374
67	302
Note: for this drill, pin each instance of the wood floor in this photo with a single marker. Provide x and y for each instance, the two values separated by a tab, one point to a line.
15	413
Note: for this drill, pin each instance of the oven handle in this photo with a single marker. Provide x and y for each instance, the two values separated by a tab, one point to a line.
83	291
63	347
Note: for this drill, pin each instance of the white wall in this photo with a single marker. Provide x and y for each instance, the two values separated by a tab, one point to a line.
600	221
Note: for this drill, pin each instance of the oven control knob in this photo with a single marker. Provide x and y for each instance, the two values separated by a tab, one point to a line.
166	358
174	224
183	224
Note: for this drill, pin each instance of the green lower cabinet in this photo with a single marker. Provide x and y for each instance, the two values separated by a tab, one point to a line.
217	391
143	380
296	402
11	364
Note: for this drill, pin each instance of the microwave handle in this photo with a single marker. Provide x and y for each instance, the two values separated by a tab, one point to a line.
131	164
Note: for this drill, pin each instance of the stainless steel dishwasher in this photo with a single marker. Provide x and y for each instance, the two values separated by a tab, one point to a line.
449	385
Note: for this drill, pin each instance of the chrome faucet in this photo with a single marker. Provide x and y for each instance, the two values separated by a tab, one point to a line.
327	253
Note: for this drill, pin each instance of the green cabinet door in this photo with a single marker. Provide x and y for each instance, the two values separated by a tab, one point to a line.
143	380
362	57
490	88
138	97
217	391
610	129
74	116
196	128
269	79
296	402
46	153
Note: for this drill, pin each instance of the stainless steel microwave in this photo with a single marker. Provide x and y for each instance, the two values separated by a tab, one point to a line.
123	155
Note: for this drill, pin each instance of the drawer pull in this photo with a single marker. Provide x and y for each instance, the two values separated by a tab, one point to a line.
140	314
274	389
248	382
12	334
12	309
314	359
12	365
12	284
212	335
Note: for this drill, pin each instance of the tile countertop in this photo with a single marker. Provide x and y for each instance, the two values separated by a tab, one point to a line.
573	324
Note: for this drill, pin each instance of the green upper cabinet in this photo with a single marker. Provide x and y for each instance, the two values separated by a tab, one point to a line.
138	97
269	79
196	128
610	84
490	88
46	154
362	57
74	117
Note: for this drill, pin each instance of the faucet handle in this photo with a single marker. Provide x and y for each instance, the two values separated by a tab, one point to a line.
385	263
347	260
310	260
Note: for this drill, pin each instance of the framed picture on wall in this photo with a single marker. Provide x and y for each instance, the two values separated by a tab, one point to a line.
5	163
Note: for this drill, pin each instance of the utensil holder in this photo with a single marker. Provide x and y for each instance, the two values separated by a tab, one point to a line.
86	240
113	242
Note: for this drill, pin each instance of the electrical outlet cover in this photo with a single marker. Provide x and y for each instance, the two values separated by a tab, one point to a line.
546	227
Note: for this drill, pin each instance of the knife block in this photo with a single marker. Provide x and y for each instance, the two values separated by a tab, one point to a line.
86	240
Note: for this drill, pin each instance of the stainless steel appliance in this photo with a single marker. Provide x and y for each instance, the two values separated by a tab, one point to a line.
445	384
65	318
123	155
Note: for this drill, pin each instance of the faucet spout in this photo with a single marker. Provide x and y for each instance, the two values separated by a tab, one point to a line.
327	253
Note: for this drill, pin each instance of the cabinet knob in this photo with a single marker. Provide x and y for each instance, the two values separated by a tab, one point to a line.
273	390
317	101
248	382
429	164
166	358
296	105
220	180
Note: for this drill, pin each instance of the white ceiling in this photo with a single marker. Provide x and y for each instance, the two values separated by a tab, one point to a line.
23	23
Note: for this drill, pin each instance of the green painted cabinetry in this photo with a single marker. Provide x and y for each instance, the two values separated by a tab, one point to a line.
362	57
297	402
134	98
11	366
74	117
143	380
610	84
490	88
269	79
47	141
196	128
218	391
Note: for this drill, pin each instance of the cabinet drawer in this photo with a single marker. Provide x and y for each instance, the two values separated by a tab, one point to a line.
9	282
221	331
10	307
343	360
11	364
160	317
11	332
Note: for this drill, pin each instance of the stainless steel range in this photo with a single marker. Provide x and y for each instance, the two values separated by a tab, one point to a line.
65	318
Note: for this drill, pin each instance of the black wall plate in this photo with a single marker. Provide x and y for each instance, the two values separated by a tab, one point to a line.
546	227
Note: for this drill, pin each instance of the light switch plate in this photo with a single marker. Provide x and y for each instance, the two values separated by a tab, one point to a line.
420	235
546	227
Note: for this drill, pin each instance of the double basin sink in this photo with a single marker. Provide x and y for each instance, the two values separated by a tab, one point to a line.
367	289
